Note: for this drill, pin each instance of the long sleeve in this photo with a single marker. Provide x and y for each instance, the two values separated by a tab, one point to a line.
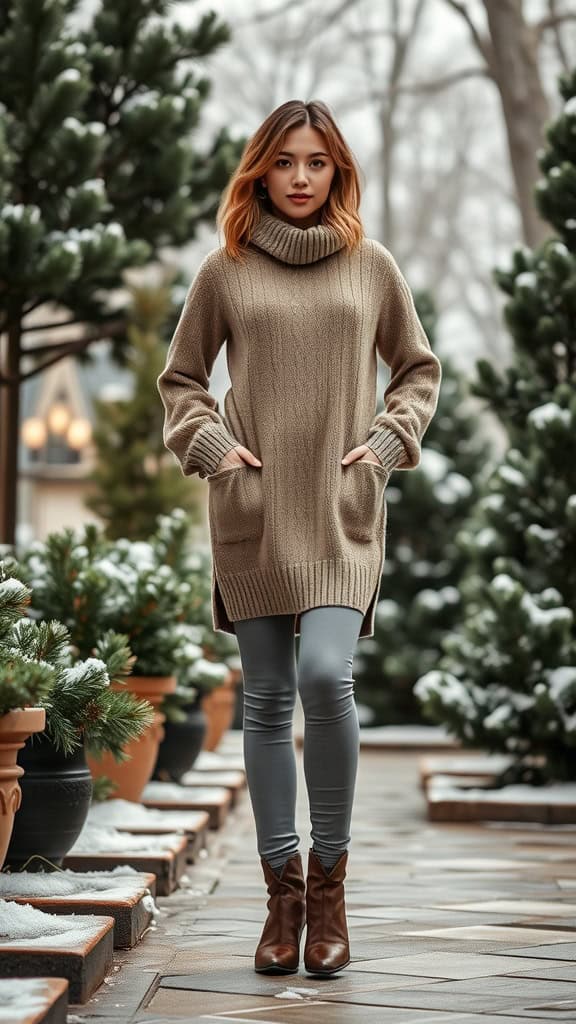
411	397
193	429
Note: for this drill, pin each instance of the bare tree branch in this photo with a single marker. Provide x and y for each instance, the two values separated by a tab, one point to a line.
268	15
437	84
553	20
482	43
558	38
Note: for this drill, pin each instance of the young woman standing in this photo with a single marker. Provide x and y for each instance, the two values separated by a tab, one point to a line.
297	465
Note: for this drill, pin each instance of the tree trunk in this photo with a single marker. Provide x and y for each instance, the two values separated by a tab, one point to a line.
9	434
515	68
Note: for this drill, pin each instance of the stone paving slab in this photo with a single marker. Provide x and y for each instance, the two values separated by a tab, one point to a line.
450	923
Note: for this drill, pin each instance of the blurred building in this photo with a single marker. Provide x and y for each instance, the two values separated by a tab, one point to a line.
56	453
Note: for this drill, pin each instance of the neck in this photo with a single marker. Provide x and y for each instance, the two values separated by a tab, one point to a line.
302	222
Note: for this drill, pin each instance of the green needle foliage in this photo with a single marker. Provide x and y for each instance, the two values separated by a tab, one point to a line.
38	668
507	678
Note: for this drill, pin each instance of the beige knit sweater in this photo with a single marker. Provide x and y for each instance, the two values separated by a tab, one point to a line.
303	321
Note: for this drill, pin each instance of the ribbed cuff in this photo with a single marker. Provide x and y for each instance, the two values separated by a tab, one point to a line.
387	446
209	446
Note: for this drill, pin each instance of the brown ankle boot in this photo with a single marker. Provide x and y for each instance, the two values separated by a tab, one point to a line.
327	947
278	951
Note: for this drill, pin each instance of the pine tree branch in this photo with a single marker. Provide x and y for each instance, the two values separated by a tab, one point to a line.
61	350
52	326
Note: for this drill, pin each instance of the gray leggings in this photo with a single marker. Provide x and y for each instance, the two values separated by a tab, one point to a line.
323	677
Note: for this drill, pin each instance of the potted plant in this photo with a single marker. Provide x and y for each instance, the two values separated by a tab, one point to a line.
95	583
187	723
184	731
80	710
209	661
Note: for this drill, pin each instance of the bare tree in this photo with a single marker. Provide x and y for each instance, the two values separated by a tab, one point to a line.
510	52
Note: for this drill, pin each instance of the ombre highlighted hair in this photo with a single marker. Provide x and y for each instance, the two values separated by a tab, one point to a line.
241	204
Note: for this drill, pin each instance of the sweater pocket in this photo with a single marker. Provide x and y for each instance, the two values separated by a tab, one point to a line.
361	494
235	504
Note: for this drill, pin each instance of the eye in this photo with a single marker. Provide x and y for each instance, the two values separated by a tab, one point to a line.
285	160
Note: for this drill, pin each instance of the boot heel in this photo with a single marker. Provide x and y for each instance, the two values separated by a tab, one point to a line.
278	950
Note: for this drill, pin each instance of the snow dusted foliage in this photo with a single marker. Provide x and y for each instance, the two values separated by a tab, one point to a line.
420	591
506	679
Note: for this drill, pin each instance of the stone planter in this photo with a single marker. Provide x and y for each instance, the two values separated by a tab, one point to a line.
181	744
56	797
220	705
132	775
15	727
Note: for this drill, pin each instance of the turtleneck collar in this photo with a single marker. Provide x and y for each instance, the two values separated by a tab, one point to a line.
292	244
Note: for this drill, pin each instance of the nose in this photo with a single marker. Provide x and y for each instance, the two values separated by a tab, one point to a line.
300	179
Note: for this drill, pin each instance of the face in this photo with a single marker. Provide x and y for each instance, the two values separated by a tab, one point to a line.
303	166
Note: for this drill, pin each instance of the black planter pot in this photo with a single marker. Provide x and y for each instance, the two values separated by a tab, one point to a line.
56	797
181	744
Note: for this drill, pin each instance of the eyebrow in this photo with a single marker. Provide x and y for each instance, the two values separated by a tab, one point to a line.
286	152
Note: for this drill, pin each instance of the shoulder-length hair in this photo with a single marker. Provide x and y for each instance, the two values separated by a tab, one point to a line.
240	206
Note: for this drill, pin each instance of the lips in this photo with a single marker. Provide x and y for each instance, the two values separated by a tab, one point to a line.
299	195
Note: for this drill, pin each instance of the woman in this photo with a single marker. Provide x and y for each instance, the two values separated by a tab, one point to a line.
297	467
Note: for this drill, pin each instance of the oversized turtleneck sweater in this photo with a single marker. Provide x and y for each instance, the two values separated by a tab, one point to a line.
303	319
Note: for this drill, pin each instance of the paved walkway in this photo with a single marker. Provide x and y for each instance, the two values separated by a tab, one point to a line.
462	924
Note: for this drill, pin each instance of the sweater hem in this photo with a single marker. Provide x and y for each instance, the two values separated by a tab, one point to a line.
291	589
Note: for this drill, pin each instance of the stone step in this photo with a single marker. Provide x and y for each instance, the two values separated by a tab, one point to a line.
78	948
128	898
400	737
232	780
553	804
166	796
164	856
127	817
475	767
33	1000
216	761
476	764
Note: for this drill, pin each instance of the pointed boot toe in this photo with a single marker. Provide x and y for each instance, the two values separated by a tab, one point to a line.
278	950
327	947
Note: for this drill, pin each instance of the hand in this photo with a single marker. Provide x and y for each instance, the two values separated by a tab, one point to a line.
356	455
237	456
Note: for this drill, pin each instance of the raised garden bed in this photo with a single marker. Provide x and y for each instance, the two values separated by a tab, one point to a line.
124	894
34	943
102	849
216	800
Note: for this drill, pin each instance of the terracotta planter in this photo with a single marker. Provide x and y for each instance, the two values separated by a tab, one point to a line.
15	728
219	706
131	776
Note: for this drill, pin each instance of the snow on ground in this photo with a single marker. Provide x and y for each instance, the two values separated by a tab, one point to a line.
125	814
101	839
23	925
122	883
22	997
